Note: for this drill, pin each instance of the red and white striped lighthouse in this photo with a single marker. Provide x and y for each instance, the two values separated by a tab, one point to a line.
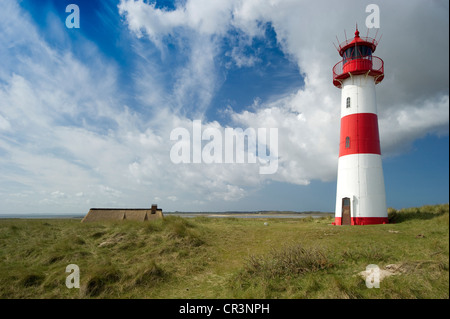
360	195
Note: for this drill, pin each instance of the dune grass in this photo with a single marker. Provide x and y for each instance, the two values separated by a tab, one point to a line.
226	257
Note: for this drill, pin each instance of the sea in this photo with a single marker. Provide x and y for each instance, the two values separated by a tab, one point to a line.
182	214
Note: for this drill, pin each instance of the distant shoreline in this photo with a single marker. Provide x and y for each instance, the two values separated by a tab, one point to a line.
254	214
39	216
236	214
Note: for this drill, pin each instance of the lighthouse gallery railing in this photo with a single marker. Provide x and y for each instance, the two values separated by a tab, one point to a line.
372	64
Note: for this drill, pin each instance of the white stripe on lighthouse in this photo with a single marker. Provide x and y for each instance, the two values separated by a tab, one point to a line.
361	91
360	177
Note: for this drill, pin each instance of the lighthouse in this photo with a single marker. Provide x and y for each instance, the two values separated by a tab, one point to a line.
360	194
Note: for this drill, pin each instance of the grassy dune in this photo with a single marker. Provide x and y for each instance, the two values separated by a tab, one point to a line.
227	257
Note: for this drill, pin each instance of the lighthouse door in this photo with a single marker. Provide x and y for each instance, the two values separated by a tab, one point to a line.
346	216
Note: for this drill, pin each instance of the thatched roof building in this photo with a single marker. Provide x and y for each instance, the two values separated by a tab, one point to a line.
119	214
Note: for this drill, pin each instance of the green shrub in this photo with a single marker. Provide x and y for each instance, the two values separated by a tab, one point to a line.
293	260
32	280
151	275
99	280
421	213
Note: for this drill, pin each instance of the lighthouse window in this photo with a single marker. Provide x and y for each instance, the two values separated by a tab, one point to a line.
347	142
357	52
348	102
348	53
365	51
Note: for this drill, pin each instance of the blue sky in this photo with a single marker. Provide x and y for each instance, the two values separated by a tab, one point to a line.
86	114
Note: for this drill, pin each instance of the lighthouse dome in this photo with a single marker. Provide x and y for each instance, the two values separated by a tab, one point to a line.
357	59
357	41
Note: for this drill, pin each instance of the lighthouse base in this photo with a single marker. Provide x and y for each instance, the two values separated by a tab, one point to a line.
363	220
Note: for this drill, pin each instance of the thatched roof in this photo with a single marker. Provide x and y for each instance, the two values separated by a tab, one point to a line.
119	214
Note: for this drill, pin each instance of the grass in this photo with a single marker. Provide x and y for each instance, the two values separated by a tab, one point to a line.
226	257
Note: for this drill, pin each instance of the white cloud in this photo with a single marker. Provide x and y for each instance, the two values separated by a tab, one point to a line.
4	124
197	81
241	59
57	194
204	16
400	127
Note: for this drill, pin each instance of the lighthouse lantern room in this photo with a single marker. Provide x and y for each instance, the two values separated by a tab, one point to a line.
360	194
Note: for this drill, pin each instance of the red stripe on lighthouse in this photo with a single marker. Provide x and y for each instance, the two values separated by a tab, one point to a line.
363	220
359	134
